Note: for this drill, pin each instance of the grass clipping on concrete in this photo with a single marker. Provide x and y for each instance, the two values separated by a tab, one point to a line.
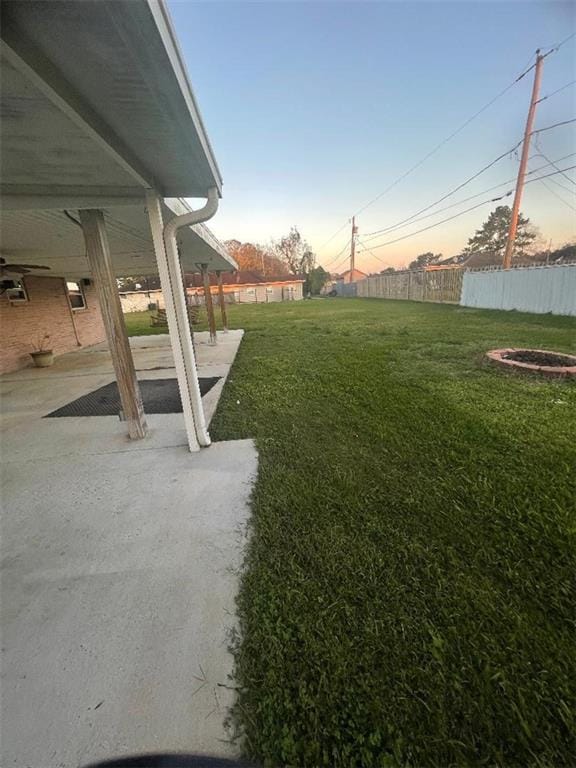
408	595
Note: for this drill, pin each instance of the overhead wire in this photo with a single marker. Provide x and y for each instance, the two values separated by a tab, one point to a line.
561	186
415	217
435	149
334	235
556	125
553	192
557	47
445	141
364	248
462	213
432	152
452	191
337	267
558	90
551	162
335	258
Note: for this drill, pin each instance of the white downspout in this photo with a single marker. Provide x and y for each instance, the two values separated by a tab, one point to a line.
171	248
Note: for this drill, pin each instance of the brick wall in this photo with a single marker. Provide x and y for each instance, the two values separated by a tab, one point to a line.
46	312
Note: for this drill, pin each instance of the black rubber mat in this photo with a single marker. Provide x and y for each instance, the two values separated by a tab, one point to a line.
159	396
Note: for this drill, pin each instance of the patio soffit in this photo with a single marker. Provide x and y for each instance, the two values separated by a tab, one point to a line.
96	102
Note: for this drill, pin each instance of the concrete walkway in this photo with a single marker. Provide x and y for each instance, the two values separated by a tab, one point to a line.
119	572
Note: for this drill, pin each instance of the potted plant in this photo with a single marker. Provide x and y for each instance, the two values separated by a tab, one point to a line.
43	356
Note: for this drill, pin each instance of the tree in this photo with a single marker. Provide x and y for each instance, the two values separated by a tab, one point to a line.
565	254
295	253
425	260
388	271
492	235
256	258
316	279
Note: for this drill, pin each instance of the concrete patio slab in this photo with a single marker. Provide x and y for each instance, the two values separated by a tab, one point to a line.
118	586
119	572
35	392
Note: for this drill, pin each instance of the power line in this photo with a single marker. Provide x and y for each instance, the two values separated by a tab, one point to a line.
449	194
445	141
369	250
561	186
330	261
549	95
451	136
553	191
547	175
557	47
413	220
551	162
341	264
334	235
549	127
437	224
472	208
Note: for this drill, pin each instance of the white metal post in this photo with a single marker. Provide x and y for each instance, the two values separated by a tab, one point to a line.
178	323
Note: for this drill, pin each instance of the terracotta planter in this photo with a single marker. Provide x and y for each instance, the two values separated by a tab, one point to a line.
43	359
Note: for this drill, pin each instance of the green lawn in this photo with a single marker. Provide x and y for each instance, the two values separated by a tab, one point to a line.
408	595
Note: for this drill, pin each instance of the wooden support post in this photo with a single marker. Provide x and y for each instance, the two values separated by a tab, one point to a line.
100	261
209	304
222	301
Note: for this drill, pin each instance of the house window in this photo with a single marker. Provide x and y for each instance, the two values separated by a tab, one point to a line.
76	295
16	292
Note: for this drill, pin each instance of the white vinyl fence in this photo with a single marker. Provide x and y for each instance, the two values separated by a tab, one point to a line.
527	289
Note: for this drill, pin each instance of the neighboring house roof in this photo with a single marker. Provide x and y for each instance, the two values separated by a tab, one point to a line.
352	276
477	260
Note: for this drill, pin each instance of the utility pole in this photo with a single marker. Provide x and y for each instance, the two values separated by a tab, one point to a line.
507	261
353	247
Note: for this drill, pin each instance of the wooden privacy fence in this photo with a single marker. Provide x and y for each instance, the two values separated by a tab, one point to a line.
443	285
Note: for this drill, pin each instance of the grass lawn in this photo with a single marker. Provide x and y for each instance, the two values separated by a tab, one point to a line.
408	596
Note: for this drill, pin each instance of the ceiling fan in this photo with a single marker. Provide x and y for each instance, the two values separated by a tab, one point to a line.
17	269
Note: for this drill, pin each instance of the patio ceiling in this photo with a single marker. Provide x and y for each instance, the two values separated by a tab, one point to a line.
49	238
87	83
97	110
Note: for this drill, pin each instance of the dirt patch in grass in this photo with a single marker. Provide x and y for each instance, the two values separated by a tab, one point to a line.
539	357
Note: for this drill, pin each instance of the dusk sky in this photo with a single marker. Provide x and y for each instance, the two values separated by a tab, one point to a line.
314	108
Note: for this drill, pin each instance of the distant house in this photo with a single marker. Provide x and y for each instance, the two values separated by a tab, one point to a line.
245	287
140	301
564	255
352	276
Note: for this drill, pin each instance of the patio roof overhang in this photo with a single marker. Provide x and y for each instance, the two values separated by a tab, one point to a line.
99	122
97	111
50	238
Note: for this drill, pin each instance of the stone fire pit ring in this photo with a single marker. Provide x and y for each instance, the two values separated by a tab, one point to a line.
540	361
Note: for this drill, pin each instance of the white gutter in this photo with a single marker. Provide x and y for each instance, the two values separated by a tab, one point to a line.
173	262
